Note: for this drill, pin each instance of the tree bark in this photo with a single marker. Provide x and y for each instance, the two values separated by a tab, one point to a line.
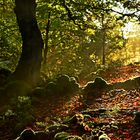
103	41
47	39
28	68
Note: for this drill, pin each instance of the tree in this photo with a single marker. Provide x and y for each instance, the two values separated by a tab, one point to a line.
28	68
63	35
10	40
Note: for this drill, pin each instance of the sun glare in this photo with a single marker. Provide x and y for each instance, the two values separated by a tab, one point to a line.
129	27
129	30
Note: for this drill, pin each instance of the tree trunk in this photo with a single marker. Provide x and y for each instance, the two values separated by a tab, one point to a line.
47	39
28	68
103	41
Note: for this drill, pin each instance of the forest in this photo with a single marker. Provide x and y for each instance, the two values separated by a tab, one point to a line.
69	69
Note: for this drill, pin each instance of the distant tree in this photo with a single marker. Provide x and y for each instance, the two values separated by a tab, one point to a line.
10	39
70	32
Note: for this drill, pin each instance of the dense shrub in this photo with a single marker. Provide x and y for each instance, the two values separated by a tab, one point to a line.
23	110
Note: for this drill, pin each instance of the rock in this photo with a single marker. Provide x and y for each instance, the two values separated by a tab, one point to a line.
103	137
63	79
98	84
137	117
57	127
128	84
66	136
51	88
94	89
42	135
39	91
73	84
61	136
27	134
62	85
74	137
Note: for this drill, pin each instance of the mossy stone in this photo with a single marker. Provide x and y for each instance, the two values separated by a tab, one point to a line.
61	136
66	136
137	117
51	88
57	127
27	134
63	79
103	137
100	83
39	91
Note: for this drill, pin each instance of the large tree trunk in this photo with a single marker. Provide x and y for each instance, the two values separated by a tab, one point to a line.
28	68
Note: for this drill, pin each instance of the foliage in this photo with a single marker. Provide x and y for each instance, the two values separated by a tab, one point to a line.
88	42
75	34
23	110
81	36
9	36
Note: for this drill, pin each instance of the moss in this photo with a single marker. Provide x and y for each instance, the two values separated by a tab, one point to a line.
128	84
74	137
73	84
61	136
42	135
66	136
39	91
51	88
62	85
89	86
137	118
63	79
100	83
27	134
103	137
57	127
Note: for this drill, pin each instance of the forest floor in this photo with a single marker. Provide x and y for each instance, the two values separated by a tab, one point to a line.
120	106
122	103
